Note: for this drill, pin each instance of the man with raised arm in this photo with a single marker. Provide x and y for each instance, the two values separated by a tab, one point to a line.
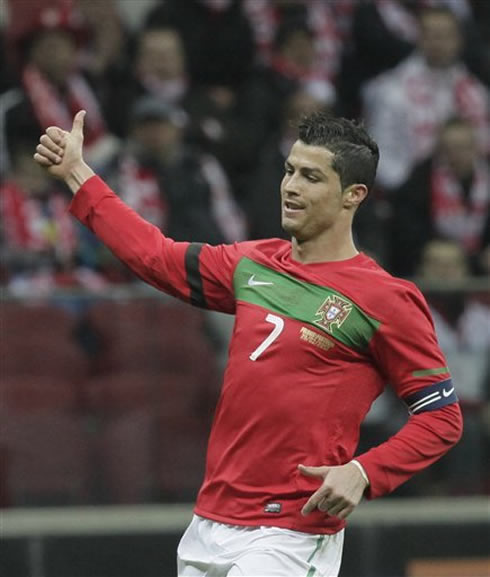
320	329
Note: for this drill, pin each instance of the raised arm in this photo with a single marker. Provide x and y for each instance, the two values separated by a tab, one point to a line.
196	273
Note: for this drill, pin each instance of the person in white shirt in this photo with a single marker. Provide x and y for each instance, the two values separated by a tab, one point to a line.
405	106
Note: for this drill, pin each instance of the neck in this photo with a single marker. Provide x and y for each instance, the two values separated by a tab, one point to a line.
330	248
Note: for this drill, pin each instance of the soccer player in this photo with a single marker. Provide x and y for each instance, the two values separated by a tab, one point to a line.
320	329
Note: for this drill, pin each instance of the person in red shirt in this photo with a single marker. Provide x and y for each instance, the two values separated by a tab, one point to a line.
320	330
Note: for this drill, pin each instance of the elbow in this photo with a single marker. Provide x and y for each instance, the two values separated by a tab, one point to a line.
454	424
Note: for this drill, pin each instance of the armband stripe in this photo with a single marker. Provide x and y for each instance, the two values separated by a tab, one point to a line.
194	278
432	397
426	399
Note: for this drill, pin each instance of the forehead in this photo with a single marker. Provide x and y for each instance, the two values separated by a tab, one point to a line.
438	21
309	156
445	250
457	133
159	38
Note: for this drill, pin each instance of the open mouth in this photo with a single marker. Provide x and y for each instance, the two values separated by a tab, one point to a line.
290	206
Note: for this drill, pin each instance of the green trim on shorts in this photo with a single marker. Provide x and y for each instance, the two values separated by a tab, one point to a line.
319	543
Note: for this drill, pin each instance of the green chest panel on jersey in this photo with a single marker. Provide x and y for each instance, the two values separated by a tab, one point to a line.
319	306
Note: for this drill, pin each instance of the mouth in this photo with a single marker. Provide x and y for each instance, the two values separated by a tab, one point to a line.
291	207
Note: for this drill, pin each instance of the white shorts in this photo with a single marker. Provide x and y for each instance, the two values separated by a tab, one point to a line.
210	549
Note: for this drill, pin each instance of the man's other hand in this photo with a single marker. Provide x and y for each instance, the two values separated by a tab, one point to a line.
340	492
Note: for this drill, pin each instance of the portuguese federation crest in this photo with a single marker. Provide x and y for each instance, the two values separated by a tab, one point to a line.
333	312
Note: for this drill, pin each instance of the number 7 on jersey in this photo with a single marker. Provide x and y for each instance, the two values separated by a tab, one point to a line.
276	331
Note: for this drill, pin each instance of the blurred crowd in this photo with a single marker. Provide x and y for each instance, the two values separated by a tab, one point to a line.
191	110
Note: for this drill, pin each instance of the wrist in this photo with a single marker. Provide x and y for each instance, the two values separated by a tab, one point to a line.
362	471
78	175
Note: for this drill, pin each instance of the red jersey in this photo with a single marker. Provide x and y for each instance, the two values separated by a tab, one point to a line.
313	346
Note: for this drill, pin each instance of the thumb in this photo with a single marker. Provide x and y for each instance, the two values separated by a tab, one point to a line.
77	127
313	471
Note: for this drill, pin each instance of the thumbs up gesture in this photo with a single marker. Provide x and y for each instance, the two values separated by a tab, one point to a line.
60	152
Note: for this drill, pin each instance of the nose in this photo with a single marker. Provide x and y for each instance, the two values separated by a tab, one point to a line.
291	186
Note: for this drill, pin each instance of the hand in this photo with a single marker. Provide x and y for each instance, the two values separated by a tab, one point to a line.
340	492
60	152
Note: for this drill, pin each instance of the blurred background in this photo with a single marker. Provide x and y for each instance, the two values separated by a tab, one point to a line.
107	388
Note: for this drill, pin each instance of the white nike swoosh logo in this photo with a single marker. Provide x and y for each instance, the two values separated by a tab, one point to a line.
447	393
253	282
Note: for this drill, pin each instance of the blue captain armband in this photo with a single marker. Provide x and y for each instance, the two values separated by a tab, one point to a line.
432	397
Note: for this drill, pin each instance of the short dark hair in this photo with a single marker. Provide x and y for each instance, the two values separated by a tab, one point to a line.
356	153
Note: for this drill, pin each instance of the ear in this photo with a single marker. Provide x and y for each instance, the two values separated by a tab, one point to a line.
354	195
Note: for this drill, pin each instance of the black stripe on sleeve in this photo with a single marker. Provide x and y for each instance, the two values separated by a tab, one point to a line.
193	274
432	397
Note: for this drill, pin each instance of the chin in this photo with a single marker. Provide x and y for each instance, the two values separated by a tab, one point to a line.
288	227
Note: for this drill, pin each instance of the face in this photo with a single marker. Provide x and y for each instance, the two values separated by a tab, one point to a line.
161	55
440	40
158	138
55	54
459	148
299	49
444	260
311	192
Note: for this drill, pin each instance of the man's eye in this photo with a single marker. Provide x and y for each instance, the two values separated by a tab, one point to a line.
311	178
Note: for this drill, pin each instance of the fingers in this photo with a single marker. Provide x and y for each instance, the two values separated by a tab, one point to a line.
326	502
51	145
318	472
78	122
339	493
42	160
345	512
323	506
48	153
332	506
56	134
315	500
320	494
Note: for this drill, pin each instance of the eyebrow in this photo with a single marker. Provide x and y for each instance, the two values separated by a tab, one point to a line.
306	169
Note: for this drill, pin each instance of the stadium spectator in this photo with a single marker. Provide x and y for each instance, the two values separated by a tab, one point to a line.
292	69
462	321
105	55
217	38
227	123
41	246
383	33
52	85
178	188
292	65
447	195
106	38
405	106
173	185
157	68
326	20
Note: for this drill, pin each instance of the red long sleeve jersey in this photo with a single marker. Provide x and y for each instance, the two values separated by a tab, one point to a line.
312	347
